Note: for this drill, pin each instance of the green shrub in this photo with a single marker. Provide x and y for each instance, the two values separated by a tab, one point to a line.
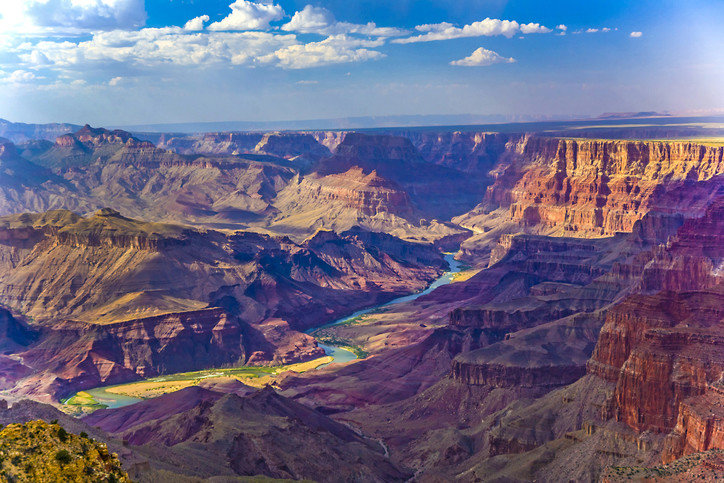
63	457
62	435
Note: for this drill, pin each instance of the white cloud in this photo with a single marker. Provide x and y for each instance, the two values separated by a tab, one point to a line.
487	27
19	77
482	57
336	49
593	30
155	47
38	58
307	82
196	24
319	20
534	28
246	15
39	17
122	53
310	20
636	34
562	27
115	81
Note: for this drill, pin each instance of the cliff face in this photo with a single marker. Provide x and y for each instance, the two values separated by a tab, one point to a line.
354	191
438	191
660	350
472	152
598	187
664	351
85	355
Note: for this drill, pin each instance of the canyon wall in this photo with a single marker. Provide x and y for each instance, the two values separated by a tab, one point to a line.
76	355
597	187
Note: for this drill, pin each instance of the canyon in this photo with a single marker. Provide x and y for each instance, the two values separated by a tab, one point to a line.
583	334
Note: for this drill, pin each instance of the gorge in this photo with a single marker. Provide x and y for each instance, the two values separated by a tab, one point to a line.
576	330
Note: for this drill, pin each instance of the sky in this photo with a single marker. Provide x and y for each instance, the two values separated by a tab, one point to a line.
117	62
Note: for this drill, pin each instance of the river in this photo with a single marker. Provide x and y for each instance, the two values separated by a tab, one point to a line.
339	354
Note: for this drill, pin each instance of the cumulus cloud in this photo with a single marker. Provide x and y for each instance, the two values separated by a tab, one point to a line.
39	17
336	49
246	15
196	24
155	47
482	57
319	20
116	52
488	27
534	28
562	27
19	77
636	34
115	81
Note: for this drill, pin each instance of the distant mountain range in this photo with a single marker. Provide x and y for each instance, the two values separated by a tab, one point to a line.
346	123
19	132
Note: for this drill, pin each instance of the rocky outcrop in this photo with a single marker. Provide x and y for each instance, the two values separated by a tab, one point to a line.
598	187
292	145
366	194
83	355
211	143
438	191
664	350
699	426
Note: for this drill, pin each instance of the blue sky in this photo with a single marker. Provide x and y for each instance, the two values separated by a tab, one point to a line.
134	61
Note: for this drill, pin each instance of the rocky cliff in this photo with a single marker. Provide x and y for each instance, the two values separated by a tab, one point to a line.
77	355
597	187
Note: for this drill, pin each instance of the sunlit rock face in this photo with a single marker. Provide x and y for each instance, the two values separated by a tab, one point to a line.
598	187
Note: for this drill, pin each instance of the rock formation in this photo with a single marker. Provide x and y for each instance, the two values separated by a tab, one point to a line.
260	434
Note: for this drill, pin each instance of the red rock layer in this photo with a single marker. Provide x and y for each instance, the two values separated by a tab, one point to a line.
665	352
597	187
500	375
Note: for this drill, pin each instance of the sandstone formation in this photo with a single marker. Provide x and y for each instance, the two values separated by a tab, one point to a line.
598	187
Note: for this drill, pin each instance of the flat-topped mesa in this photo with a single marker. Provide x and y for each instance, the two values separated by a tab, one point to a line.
97	136
108	227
